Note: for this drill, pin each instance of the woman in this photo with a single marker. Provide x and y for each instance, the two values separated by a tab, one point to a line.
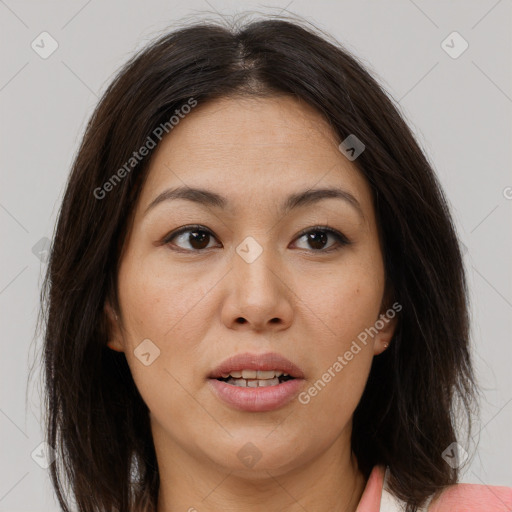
256	298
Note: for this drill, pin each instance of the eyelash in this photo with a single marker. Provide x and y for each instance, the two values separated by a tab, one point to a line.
341	239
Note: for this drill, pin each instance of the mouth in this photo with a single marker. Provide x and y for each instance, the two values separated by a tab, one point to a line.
256	382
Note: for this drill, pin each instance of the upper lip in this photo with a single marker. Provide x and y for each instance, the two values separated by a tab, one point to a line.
248	361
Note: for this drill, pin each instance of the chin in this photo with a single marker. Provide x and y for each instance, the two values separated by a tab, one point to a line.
256	455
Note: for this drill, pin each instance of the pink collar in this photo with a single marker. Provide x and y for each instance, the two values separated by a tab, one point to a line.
370	500
459	497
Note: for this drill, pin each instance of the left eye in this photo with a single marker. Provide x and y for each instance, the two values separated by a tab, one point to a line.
199	237
317	238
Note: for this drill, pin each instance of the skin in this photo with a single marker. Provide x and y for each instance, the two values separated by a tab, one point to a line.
255	152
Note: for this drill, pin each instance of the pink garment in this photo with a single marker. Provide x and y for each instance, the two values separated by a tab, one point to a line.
456	498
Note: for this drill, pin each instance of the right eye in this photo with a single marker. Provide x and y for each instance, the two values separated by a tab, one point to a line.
197	236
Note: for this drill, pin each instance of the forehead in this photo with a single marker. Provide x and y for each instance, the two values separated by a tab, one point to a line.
252	149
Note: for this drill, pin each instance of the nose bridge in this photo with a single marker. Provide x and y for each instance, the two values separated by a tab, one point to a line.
258	294
255	267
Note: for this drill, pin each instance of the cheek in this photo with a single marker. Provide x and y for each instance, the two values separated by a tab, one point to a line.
166	310
332	398
344	304
343	360
348	305
161	302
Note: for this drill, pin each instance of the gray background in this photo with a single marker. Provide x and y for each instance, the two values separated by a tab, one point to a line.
459	108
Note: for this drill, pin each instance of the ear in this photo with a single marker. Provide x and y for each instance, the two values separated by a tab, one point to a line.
387	322
115	339
386	325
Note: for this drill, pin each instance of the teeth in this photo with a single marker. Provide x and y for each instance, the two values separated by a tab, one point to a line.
254	374
270	374
254	378
256	383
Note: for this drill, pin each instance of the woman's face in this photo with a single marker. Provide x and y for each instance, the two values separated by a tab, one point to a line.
247	280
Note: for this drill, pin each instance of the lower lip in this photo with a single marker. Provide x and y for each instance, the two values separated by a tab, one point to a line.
267	398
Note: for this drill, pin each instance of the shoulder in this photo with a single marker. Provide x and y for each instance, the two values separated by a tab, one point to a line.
455	498
472	498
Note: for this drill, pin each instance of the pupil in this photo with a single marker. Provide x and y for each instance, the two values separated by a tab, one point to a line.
319	238
198	237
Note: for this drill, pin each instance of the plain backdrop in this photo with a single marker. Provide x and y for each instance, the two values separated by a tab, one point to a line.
459	106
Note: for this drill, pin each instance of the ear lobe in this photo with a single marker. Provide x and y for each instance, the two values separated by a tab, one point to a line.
114	345
386	326
114	332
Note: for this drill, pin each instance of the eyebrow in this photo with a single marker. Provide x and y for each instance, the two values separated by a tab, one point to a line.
293	201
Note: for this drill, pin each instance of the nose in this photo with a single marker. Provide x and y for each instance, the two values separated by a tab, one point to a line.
259	297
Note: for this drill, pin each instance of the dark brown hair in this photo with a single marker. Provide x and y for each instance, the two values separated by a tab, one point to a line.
96	418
